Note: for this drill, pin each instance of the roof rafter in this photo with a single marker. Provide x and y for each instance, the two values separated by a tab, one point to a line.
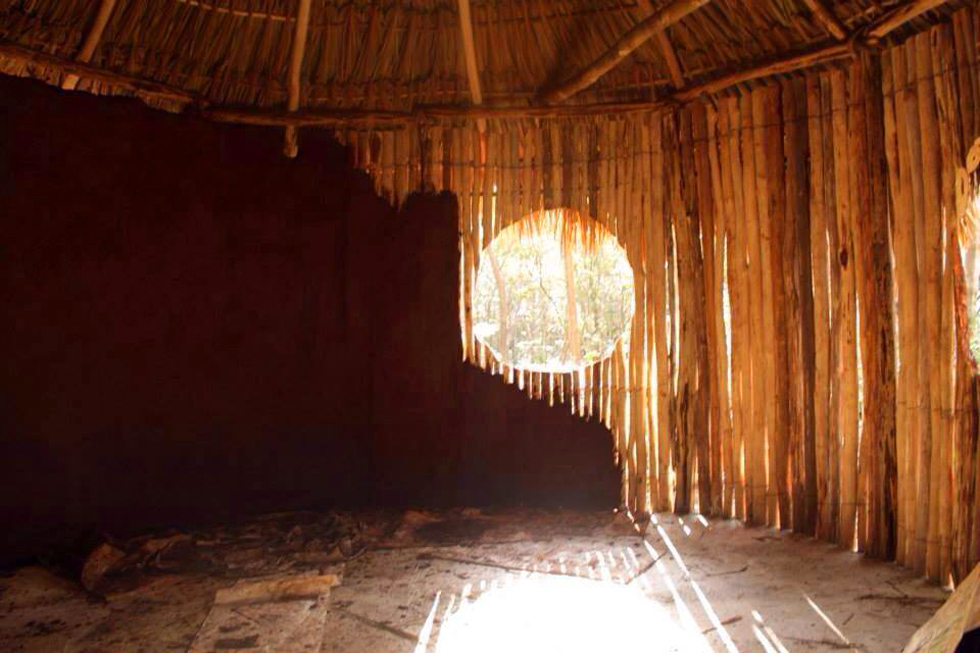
122	81
670	56
469	54
640	34
826	17
291	147
899	16
807	59
665	47
91	41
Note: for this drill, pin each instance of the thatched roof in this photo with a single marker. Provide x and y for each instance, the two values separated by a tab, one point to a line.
399	55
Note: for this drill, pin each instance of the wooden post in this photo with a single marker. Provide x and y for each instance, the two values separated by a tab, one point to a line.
820	264
91	41
799	323
291	148
933	267
877	338
846	317
774	235
469	55
709	473
756	480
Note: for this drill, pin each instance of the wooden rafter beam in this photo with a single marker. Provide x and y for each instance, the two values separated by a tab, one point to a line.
469	54
291	147
813	57
899	16
128	83
91	41
826	17
334	117
670	57
640	34
665	47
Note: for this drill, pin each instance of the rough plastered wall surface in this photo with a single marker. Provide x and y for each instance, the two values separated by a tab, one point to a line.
194	327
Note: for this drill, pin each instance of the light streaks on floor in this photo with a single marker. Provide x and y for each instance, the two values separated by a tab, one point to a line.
616	566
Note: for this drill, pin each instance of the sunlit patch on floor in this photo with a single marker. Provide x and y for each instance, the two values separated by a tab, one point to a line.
553	613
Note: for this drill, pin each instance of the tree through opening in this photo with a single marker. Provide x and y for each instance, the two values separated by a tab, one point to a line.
554	293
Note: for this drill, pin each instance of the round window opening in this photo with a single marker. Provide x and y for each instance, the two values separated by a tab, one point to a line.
554	293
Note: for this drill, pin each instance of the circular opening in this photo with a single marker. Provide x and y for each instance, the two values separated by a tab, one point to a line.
554	293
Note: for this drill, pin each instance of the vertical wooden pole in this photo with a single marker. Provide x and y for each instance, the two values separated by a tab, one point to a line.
906	283
709	473
740	283
756	480
291	147
878	322
846	317
658	264
763	112
798	280
933	266
92	40
722	452
779	266
820	264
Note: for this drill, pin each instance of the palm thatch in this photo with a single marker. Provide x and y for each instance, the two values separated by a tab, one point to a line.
405	54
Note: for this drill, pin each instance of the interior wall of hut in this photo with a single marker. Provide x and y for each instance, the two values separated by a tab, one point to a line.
196	328
799	354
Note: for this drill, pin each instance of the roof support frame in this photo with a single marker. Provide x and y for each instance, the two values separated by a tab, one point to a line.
826	17
469	54
900	15
665	47
300	34
640	34
91	41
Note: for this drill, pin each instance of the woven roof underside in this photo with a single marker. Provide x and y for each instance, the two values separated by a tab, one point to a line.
402	53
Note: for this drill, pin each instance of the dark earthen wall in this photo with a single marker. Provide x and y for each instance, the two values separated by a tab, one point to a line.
194	327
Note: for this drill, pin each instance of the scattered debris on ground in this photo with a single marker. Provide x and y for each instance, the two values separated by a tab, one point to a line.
382	581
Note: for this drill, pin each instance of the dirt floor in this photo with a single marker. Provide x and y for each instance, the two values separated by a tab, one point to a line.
465	581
